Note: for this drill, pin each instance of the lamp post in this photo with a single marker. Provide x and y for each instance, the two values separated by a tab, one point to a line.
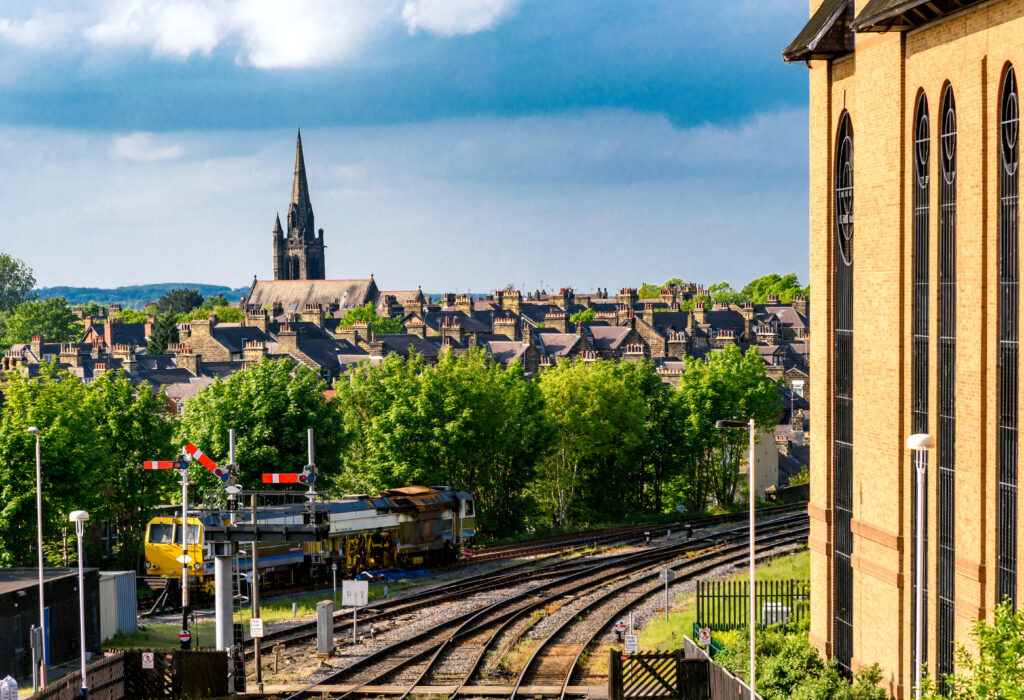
39	665
738	424
78	517
919	444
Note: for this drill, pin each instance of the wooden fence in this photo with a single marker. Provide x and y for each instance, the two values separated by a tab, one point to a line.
182	674
725	605
657	674
723	685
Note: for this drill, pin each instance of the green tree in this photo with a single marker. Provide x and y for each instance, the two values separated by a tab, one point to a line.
134	426
464	422
179	301
51	318
597	421
378	324
132	316
648	291
165	332
58	404
93	309
270	405
998	669
16	282
785	286
728	385
584	316
225	314
723	293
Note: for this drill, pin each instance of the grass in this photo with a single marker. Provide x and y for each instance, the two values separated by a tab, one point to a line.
659	634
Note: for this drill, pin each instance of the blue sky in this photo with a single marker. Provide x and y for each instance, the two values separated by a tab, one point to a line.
453	144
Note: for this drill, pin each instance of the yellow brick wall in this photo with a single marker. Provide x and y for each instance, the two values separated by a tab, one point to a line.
879	87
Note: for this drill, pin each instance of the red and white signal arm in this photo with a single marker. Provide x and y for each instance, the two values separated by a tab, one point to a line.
620	626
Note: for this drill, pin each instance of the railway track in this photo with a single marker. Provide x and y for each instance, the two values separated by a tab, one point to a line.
384	610
582	602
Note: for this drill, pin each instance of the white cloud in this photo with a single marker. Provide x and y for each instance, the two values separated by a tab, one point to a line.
144	146
43	30
173	28
451	17
304	33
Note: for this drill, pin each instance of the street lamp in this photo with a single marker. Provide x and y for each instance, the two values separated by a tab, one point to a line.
78	517
738	424
919	444
39	665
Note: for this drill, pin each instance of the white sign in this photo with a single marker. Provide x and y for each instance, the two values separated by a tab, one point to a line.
354	594
147	659
256	627
667	575
704	636
632	643
621	626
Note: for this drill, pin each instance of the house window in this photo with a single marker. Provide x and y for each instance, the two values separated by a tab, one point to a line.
842	629
922	214
798	387
1009	301
947	387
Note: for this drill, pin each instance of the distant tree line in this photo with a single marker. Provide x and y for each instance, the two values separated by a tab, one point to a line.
756	291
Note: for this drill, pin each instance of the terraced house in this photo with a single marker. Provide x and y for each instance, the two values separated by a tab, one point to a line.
914	182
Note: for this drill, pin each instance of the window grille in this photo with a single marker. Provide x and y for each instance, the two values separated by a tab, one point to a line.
843	399
1006	560
947	389
922	212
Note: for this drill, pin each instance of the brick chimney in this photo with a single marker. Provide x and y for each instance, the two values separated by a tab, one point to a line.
512	301
784	445
287	339
451	328
71	354
447	299
747	311
564	298
193	362
254	351
622	312
648	314
348	334
798	421
257	319
416	327
413	306
677	345
201	327
634	352
700	312
313	313
508	327
627	296
37	346
800	304
148	328
126	354
559	320
583	300
773	300
464	303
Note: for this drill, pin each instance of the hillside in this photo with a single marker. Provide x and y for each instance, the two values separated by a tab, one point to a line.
135	296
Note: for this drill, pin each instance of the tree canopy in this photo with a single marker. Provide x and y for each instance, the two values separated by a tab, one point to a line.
16	282
785	286
51	318
179	301
378	324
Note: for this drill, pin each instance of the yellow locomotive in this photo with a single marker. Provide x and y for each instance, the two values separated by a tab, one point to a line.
411	526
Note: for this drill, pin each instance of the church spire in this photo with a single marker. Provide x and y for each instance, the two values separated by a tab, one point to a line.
300	211
277	226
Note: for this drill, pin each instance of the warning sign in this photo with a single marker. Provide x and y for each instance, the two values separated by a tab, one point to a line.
632	643
147	659
704	636
256	627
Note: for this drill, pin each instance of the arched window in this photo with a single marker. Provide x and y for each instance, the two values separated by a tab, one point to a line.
1009	301
922	214
843	398
947	386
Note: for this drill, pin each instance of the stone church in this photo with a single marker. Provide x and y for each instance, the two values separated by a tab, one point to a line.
299	265
299	255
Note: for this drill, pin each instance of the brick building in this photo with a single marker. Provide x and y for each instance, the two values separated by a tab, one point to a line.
916	320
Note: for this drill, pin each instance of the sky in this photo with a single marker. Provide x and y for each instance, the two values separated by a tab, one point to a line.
456	145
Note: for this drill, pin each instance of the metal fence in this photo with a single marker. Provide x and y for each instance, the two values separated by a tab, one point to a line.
657	674
723	685
725	605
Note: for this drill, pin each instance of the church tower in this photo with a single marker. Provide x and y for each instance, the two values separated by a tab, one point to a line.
299	253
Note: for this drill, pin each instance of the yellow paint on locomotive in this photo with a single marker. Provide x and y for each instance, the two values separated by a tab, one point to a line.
163	548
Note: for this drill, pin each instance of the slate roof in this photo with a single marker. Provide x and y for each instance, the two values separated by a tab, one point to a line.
506	351
828	34
607	337
886	15
233	336
470	324
293	295
557	344
401	342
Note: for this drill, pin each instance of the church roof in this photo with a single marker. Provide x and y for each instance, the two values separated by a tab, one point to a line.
887	15
293	295
826	35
